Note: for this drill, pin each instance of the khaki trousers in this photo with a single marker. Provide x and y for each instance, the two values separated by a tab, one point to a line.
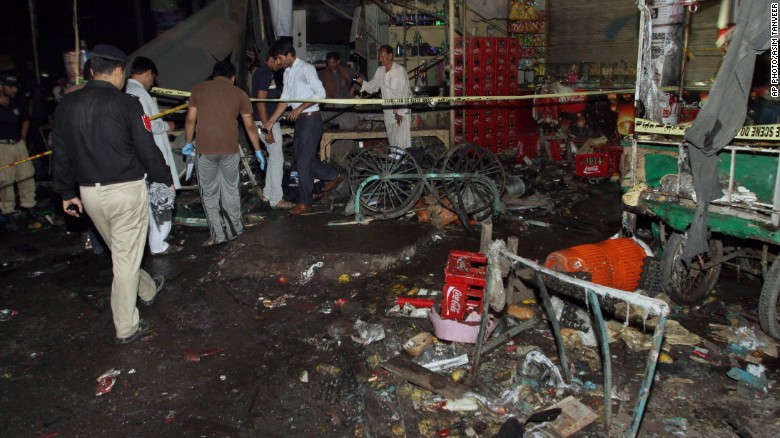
120	213
21	174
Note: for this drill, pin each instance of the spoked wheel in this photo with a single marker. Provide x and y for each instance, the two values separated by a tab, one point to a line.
389	197
688	284
470	195
768	304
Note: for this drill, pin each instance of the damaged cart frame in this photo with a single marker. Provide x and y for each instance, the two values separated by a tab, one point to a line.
595	297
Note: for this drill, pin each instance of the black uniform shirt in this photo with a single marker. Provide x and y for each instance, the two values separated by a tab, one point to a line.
11	118
101	135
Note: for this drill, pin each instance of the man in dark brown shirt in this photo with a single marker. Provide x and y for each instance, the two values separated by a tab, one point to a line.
211	120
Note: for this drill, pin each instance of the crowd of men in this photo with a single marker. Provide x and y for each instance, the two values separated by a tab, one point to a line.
112	163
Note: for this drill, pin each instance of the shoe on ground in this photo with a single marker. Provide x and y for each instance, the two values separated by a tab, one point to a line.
211	242
159	284
172	249
300	209
143	327
333	184
283	205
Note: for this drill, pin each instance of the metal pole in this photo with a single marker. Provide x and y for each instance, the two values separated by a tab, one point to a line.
34	31
684	67
451	57
76	45
139	24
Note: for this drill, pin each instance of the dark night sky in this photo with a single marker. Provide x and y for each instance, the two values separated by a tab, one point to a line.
114	22
100	21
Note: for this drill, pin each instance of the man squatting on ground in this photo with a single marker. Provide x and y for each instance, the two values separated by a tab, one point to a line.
142	75
301	82
14	126
264	87
102	142
211	119
392	80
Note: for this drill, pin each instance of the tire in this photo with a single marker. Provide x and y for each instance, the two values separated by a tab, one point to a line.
768	303
688	284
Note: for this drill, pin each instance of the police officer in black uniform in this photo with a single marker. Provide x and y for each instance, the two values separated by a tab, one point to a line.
103	143
14	126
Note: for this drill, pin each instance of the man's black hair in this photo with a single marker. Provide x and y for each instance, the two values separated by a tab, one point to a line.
333	55
106	66
387	49
283	46
224	68
143	64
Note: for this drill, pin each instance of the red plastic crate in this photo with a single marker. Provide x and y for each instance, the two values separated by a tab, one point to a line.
615	153
465	279
527	145
594	165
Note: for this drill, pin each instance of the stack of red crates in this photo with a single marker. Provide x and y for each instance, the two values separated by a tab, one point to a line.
489	65
465	279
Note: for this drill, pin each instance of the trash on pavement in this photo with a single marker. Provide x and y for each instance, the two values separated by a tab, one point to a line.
522	312
462	404
366	333
537	366
419	342
344	278
194	354
466	332
7	314
308	274
573	418
751	382
409	311
105	383
442	356
745	337
328	370
416	302
280	301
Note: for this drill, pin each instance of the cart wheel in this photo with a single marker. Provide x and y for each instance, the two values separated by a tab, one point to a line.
388	197
688	284
768	305
471	196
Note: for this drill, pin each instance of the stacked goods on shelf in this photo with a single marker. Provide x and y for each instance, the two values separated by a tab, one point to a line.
487	66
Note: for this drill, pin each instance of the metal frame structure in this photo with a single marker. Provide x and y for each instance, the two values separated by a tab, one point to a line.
596	297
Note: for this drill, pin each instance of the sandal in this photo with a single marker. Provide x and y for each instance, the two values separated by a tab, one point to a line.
172	249
209	243
283	205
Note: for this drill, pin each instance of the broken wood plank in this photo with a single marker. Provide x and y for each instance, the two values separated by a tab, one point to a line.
425	378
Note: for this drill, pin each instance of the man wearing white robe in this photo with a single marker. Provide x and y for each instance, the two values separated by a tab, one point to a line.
142	75
393	81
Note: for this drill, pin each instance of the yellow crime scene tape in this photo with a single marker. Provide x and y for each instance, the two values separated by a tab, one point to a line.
44	154
413	100
754	132
407	101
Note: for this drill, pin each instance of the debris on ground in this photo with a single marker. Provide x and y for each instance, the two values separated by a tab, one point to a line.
365	333
106	381
195	354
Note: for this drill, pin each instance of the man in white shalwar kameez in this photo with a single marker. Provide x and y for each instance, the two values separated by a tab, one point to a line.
142	75
392	80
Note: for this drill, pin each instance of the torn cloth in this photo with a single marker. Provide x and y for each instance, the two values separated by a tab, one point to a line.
723	116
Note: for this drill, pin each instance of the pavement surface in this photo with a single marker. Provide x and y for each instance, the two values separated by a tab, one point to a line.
234	351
